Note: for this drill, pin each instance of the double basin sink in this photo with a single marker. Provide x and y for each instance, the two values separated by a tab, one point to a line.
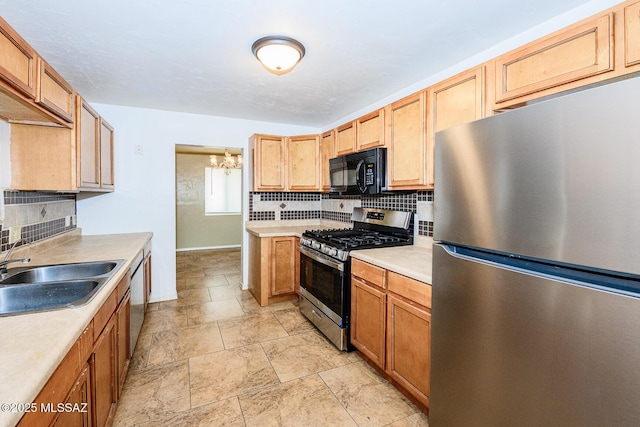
53	287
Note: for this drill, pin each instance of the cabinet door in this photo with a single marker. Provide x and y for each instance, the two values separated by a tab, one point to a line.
147	280
304	163
283	265
407	162
87	144
106	155
78	405
346	139
572	54
409	346
632	34
457	100
123	325
327	151
370	130
54	93
269	163
259	269
368	313
103	375
17	61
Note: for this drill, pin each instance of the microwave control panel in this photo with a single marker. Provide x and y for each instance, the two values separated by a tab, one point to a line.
369	174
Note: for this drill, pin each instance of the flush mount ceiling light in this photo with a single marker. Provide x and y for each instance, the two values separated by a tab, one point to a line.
279	54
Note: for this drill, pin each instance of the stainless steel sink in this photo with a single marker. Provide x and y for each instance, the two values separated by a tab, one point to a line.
32	297
50	273
53	287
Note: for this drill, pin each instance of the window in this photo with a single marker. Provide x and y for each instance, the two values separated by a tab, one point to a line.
222	192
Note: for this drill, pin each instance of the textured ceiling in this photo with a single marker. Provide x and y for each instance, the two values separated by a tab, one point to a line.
195	55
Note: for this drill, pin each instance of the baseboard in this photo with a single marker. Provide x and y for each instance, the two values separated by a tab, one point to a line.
202	248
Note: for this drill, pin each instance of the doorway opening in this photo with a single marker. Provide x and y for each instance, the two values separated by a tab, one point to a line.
208	200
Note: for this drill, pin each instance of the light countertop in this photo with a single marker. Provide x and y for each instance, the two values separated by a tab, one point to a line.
290	228
32	345
412	261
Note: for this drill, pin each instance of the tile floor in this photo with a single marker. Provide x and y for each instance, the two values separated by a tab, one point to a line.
214	357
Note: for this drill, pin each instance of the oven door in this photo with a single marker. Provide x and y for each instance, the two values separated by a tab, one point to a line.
325	282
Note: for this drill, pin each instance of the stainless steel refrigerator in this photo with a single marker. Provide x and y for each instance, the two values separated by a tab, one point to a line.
536	268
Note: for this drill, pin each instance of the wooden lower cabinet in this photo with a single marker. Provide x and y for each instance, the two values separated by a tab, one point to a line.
284	253
274	268
78	404
409	346
147	275
123	322
84	389
368	315
391	327
104	375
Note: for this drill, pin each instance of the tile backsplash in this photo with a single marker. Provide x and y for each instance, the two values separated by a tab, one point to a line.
37	215
275	206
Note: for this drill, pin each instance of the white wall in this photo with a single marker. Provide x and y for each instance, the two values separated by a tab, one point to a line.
144	199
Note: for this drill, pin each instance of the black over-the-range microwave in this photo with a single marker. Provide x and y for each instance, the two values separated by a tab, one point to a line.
359	173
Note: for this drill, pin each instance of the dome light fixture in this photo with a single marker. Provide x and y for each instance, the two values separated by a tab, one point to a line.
278	54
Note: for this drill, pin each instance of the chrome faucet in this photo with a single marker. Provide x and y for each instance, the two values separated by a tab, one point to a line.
7	260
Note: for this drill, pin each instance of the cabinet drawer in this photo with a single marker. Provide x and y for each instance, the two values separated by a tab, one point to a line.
123	286
409	288
85	342
104	314
372	274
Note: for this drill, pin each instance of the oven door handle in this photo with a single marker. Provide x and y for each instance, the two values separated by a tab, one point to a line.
321	258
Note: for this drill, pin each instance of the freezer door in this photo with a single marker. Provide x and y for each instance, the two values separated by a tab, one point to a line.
512	348
556	180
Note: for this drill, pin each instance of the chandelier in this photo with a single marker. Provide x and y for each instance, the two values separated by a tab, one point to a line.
229	162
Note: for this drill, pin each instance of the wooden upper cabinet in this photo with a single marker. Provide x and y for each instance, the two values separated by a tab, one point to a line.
370	130
269	163
577	52
454	101
346	138
17	61
304	163
406	140
327	151
54	93
88	146
31	92
632	34
106	155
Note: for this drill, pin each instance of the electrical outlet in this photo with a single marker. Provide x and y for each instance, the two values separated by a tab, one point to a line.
73	220
15	234
67	220
138	149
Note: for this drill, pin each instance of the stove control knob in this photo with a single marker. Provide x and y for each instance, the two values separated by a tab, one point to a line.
332	252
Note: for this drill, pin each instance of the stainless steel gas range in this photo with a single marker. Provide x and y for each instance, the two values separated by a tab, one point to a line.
325	281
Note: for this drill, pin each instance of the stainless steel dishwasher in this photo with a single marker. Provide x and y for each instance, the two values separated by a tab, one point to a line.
137	299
